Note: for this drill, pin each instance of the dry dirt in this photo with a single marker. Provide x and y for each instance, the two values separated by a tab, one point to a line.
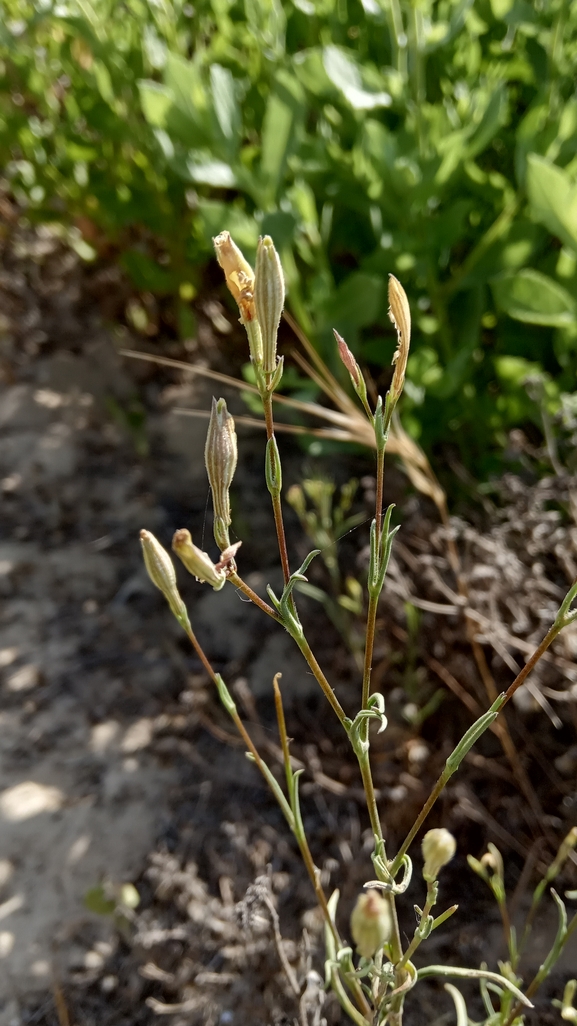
117	764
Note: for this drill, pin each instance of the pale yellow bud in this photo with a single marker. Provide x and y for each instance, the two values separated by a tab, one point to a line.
400	315
438	848
197	562
371	923
220	455
161	572
269	299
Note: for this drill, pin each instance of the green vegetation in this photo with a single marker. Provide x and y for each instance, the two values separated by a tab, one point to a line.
436	140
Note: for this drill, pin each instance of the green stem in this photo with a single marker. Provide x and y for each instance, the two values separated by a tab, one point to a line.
276	503
365	768
373	598
321	679
302	644
417	939
304	849
532	662
397	36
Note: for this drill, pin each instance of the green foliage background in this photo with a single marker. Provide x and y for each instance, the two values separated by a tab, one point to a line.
436	139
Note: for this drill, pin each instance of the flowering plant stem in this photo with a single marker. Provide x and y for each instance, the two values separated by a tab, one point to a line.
387	969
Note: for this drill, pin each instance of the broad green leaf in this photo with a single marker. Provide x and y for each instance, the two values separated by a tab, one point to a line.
494	115
104	82
345	74
285	105
533	298
207	170
216	216
224	101
309	69
552	198
280	226
156	101
356	302
465	312
183	79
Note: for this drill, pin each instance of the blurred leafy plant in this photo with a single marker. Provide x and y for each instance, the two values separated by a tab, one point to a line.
325	519
437	139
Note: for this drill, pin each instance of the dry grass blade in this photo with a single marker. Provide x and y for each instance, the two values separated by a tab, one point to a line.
349	420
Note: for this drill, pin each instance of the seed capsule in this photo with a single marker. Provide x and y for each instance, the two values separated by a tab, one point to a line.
371	923
269	299
197	562
438	848
220	455
160	569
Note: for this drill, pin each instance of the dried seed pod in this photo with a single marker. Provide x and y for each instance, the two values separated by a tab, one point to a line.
220	456
371	923
239	277
197	562
161	571
269	294
438	848
400	315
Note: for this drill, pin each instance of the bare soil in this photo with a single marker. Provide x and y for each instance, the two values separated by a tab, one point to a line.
118	765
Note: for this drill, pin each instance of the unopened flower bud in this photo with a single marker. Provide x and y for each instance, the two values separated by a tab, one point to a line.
269	299
220	456
353	368
438	848
197	562
348	359
371	923
400	315
239	277
161	572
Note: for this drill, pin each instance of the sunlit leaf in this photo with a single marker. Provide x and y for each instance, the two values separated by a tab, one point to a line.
345	74
552	198
534	298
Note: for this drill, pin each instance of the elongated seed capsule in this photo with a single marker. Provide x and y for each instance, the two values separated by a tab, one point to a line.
371	923
220	456
400	315
438	848
197	562
269	299
161	571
